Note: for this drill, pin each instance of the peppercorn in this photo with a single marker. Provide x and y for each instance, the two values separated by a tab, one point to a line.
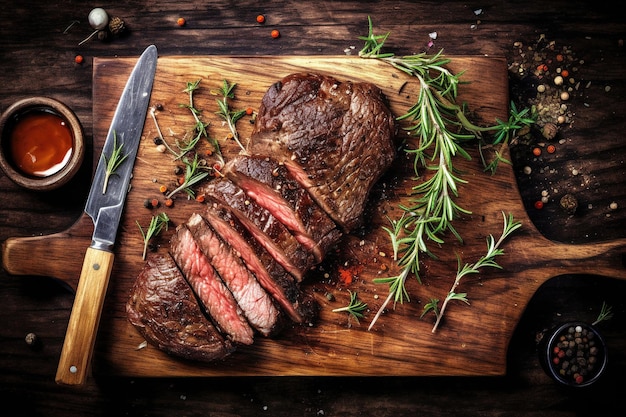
79	59
536	151
538	204
275	34
158	141
260	19
147	203
181	21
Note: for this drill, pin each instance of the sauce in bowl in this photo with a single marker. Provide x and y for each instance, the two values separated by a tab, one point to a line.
40	143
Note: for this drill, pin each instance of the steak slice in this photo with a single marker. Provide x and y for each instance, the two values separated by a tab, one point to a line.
208	286
271	275
270	185
265	228
257	305
164	309
336	138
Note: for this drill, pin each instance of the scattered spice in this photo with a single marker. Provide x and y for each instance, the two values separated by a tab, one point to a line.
260	19
538	204
347	273
275	34
249	111
551	149
536	151
169	202
163	189
79	59
181	21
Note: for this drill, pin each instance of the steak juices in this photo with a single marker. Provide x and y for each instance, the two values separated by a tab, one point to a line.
317	148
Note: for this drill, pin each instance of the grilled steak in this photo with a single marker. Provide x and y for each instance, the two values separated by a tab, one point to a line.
211	290
164	309
268	230
317	148
273	277
336	138
258	307
271	186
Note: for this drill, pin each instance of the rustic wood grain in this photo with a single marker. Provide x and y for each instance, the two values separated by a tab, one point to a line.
472	341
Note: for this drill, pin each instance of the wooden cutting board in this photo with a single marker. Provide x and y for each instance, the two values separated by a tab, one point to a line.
472	340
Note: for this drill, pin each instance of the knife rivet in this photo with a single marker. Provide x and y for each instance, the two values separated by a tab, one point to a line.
96	266
73	369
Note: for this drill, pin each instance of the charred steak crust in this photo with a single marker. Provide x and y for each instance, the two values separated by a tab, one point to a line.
317	148
164	310
336	137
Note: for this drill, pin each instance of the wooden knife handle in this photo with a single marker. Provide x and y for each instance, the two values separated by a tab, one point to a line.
75	361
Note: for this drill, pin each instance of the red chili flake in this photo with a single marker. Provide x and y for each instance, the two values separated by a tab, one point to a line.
260	19
275	34
79	59
249	111
200	198
537	151
551	149
181	21
347	273
538	204
542	68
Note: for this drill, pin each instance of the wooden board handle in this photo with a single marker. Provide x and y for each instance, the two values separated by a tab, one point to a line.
80	337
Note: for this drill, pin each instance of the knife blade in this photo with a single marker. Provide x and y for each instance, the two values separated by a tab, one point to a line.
104	205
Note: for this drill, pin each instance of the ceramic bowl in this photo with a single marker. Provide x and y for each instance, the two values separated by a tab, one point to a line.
574	354
42	143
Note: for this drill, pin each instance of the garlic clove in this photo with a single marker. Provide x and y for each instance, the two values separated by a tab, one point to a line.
98	18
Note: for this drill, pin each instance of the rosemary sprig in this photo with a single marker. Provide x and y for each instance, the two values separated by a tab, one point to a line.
605	314
487	260
193	175
157	223
230	116
113	162
442	129
355	308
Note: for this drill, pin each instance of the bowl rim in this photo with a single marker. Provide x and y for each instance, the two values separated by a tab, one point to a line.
546	351
70	169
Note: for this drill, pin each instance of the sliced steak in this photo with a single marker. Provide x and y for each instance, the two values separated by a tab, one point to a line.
258	307
164	310
271	275
270	185
336	138
208	286
265	228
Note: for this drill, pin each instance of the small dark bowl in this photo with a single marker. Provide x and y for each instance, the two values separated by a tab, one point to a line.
574	354
9	120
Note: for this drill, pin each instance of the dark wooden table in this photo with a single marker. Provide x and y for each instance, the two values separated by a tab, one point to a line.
37	58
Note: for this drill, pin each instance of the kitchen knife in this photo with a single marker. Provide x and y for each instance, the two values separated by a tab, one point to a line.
104	205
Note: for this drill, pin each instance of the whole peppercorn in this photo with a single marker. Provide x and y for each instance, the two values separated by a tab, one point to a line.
116	26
